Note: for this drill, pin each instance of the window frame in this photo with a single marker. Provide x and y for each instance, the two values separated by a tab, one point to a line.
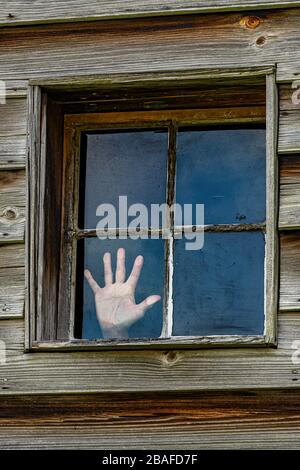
74	124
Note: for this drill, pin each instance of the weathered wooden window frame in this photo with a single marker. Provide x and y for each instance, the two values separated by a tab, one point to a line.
38	193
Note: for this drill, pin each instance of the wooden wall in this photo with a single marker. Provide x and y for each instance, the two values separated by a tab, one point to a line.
190	41
162	421
15	12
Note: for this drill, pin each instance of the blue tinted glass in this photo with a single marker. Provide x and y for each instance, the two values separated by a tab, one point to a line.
219	290
151	282
128	163
224	169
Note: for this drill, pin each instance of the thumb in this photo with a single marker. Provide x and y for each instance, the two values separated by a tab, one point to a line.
149	302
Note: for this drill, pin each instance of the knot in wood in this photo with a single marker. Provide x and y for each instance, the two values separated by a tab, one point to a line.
10	213
260	41
170	357
250	22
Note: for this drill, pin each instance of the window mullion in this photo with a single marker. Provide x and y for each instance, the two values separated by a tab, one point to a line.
168	300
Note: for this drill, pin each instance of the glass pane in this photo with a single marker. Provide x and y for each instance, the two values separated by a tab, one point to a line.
224	169
124	163
151	282
219	290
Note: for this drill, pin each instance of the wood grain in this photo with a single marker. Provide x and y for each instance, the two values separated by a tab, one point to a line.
12	280
289	208
17	12
12	286
289	119
13	118
260	434
289	94
13	124
113	409
12	152
16	89
203	420
36	123
12	255
50	216
290	271
272	243
167	43
140	371
164	96
12	205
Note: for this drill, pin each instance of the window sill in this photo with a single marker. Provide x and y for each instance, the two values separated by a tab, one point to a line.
178	342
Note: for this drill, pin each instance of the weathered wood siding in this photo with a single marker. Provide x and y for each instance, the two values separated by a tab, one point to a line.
171	43
155	370
187	42
152	421
15	12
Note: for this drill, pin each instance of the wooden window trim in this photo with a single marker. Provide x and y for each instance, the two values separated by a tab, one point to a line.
73	125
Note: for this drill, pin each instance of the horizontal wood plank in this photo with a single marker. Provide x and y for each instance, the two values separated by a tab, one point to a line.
144	420
289	207
290	271
13	125
48	410
12	280
141	371
289	95
12	255
19	12
12	292
289	119
13	118
12	152
267	432
12	205
16	89
168	43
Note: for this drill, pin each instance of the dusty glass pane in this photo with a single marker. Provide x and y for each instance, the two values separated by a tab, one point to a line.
123	163
219	290
151	282
224	169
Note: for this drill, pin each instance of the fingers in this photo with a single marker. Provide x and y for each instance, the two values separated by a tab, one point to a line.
92	283
136	271
108	277
120	271
149	302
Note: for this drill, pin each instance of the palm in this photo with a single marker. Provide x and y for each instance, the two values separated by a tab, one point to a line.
115	303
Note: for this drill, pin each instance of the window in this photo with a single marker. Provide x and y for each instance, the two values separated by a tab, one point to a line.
131	178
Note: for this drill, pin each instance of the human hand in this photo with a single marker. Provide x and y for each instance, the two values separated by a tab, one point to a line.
115	303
